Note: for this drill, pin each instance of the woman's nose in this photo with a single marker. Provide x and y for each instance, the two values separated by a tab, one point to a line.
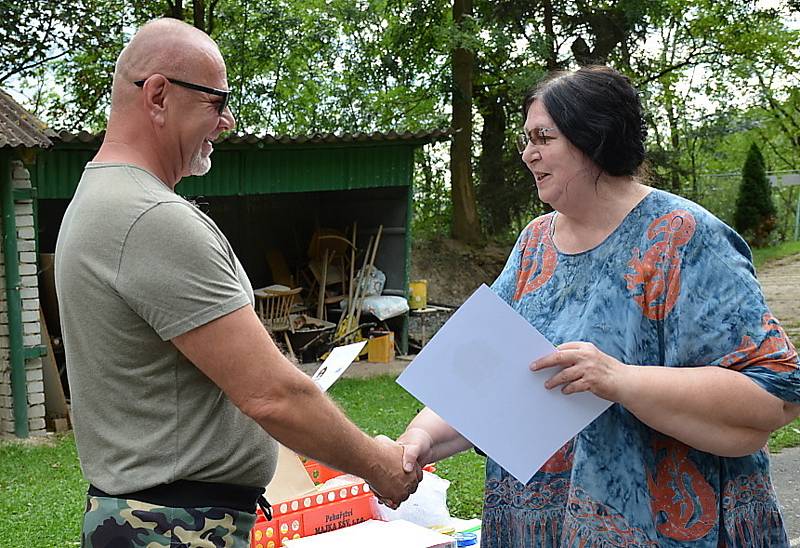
531	154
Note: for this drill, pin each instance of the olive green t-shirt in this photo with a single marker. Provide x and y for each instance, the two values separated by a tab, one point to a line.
137	265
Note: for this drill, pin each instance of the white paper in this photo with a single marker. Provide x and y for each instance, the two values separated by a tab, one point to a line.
474	373
335	364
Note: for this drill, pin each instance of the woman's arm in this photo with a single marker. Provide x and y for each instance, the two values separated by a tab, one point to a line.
710	408
428	438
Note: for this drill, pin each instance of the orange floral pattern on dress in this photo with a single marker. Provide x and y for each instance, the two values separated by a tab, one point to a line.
681	493
656	277
776	352
561	461
539	257
590	523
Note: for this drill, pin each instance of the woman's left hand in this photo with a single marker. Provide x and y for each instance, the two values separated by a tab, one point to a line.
585	369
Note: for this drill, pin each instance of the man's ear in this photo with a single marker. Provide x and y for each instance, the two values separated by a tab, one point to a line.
155	89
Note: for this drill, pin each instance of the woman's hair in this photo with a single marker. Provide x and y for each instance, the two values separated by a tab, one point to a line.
599	111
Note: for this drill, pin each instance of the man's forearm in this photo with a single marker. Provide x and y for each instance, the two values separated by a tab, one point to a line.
304	419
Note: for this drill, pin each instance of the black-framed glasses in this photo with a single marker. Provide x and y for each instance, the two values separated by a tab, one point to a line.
226	95
538	136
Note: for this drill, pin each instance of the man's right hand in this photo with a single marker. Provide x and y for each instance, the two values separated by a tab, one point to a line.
389	481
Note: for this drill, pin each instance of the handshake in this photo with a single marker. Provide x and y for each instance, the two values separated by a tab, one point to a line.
397	471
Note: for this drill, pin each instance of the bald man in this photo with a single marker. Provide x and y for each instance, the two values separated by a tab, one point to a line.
178	392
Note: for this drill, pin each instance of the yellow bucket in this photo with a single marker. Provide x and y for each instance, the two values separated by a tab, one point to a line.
417	294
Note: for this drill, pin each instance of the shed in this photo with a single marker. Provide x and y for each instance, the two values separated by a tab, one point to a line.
22	391
269	194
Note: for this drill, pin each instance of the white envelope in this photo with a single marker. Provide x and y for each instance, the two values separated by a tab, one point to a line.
335	364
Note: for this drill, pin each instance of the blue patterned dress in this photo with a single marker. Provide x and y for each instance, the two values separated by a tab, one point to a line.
671	286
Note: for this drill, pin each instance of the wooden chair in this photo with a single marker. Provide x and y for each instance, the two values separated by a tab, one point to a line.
273	305
328	266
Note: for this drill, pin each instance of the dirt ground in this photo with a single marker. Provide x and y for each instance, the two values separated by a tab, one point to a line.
454	270
780	281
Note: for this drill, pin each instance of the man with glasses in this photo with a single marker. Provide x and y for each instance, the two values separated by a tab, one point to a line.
178	392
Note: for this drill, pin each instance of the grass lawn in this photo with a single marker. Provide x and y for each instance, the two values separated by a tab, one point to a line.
42	492
766	254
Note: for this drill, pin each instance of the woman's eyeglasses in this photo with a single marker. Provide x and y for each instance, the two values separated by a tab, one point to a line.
537	135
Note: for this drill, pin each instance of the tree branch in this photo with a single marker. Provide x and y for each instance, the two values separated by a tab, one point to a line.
775	150
20	68
775	106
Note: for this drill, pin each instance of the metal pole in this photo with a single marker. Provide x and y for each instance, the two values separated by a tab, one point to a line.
797	219
19	385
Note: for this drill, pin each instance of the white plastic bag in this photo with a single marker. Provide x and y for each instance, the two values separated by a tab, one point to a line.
382	307
427	507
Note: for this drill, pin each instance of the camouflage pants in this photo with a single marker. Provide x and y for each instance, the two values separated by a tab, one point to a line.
120	523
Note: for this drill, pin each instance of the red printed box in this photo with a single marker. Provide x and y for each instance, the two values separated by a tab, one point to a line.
319	472
325	510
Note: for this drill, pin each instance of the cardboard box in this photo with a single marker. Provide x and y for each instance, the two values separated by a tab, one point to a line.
381	347
319	512
320	473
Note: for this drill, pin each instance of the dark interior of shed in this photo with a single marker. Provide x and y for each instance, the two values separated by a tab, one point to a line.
274	237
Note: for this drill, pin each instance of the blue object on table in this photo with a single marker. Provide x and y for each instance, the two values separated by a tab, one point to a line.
466	539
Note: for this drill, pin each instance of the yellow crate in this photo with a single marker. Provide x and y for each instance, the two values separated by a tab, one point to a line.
380	348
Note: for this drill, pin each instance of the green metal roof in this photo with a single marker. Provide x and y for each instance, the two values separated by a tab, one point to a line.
244	165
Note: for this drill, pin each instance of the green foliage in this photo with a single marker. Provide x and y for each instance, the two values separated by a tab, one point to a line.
755	211
432	206
363	65
35	33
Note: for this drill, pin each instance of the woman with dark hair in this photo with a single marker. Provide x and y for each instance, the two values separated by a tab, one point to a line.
655	306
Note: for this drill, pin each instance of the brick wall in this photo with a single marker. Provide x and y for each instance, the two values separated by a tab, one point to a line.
31	328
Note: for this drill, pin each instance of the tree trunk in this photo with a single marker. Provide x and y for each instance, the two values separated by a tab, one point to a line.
199	13
549	31
466	224
493	193
674	136
175	9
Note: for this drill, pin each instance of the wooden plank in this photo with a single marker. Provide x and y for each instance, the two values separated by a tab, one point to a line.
55	404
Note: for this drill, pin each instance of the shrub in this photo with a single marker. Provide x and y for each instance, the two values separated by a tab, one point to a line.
755	216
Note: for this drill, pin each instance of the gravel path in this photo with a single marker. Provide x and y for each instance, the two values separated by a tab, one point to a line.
784	467
780	281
